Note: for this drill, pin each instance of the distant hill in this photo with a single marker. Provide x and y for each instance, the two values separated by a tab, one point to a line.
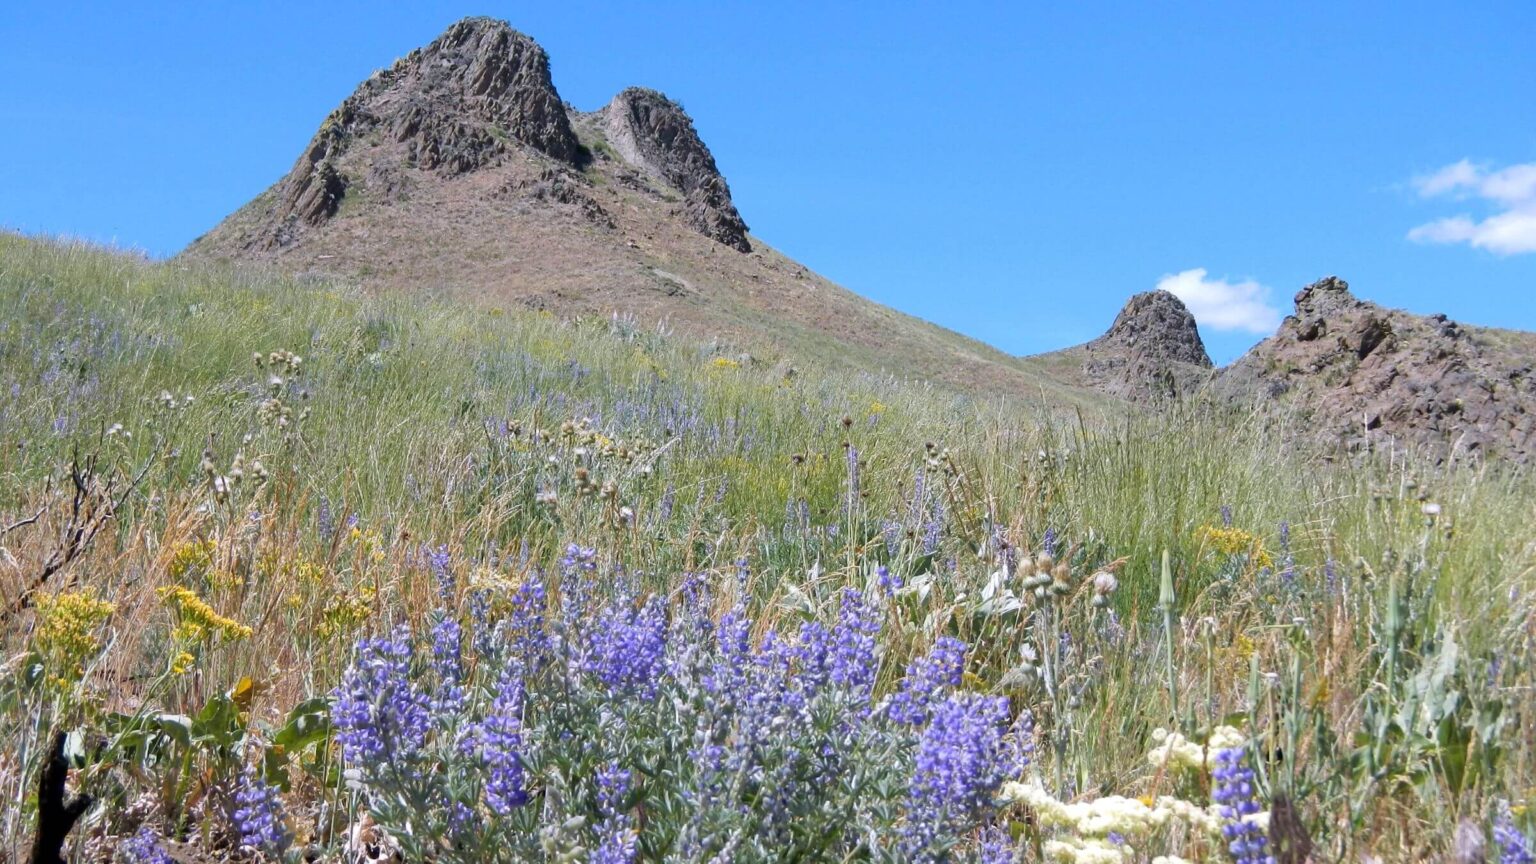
459	170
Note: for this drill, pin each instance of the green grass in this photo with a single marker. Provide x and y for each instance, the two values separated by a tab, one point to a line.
444	424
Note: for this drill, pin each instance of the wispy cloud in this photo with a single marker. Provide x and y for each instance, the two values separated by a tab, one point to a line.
1510	192
1222	305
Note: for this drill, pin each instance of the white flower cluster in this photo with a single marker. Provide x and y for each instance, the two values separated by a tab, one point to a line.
1174	750
1112	814
1084	827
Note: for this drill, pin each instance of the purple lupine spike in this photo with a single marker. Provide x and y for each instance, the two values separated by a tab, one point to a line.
259	818
381	717
928	679
1237	802
959	765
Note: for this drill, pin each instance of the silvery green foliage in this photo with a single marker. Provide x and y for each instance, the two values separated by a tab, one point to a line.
617	727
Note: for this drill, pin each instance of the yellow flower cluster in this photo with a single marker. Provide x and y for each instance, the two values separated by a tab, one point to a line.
343	615
725	363
191	556
370	546
196	621
1235	541
66	633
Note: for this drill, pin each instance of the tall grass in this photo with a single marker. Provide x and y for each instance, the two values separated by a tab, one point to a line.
1367	621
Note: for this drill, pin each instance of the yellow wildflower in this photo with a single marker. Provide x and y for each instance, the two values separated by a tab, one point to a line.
197	620
66	635
190	556
725	363
1235	541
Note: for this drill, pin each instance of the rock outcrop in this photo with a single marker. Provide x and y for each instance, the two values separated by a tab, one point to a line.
1153	351
455	106
1365	375
652	132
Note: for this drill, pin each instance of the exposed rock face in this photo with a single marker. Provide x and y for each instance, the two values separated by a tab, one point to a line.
1365	374
654	133
1152	351
452	107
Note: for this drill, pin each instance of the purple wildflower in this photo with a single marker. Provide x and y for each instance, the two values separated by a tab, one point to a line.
381	718
996	847
1021	743
889	582
928	679
145	848
448	663
617	841
625	647
1514	847
1237	801
959	765
501	745
259	817
440	563
853	645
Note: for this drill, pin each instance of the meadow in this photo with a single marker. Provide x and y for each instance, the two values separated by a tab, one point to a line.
302	573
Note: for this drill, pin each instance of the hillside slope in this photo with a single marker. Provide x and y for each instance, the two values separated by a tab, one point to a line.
459	170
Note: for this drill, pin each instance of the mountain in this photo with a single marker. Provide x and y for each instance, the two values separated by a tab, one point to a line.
460	170
1152	353
1364	375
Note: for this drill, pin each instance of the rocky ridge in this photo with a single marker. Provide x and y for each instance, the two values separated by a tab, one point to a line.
459	171
1152	351
1365	375
653	132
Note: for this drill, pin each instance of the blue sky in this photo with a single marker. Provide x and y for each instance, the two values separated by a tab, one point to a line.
1012	171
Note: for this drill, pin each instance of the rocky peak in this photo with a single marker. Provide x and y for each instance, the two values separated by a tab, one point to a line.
1152	351
653	133
1158	325
1366	374
452	107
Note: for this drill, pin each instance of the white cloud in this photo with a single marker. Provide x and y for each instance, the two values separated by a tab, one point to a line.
1511	191
1222	305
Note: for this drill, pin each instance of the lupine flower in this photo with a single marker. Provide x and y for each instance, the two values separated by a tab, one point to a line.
617	841
259	818
1237	801
145	848
448	663
996	847
928	680
1021	743
959	765
440	564
853	645
501	744
526	628
381	717
625	647
889	582
1514	847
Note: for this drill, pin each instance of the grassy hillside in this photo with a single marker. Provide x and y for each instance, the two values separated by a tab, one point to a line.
213	484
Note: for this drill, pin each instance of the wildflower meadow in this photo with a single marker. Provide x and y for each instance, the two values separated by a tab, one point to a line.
292	573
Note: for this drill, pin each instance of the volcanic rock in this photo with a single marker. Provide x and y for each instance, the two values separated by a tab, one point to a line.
1364	376
1153	351
654	133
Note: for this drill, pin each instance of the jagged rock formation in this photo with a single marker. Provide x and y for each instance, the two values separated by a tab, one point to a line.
651	131
1152	351
1364	374
452	107
459	171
